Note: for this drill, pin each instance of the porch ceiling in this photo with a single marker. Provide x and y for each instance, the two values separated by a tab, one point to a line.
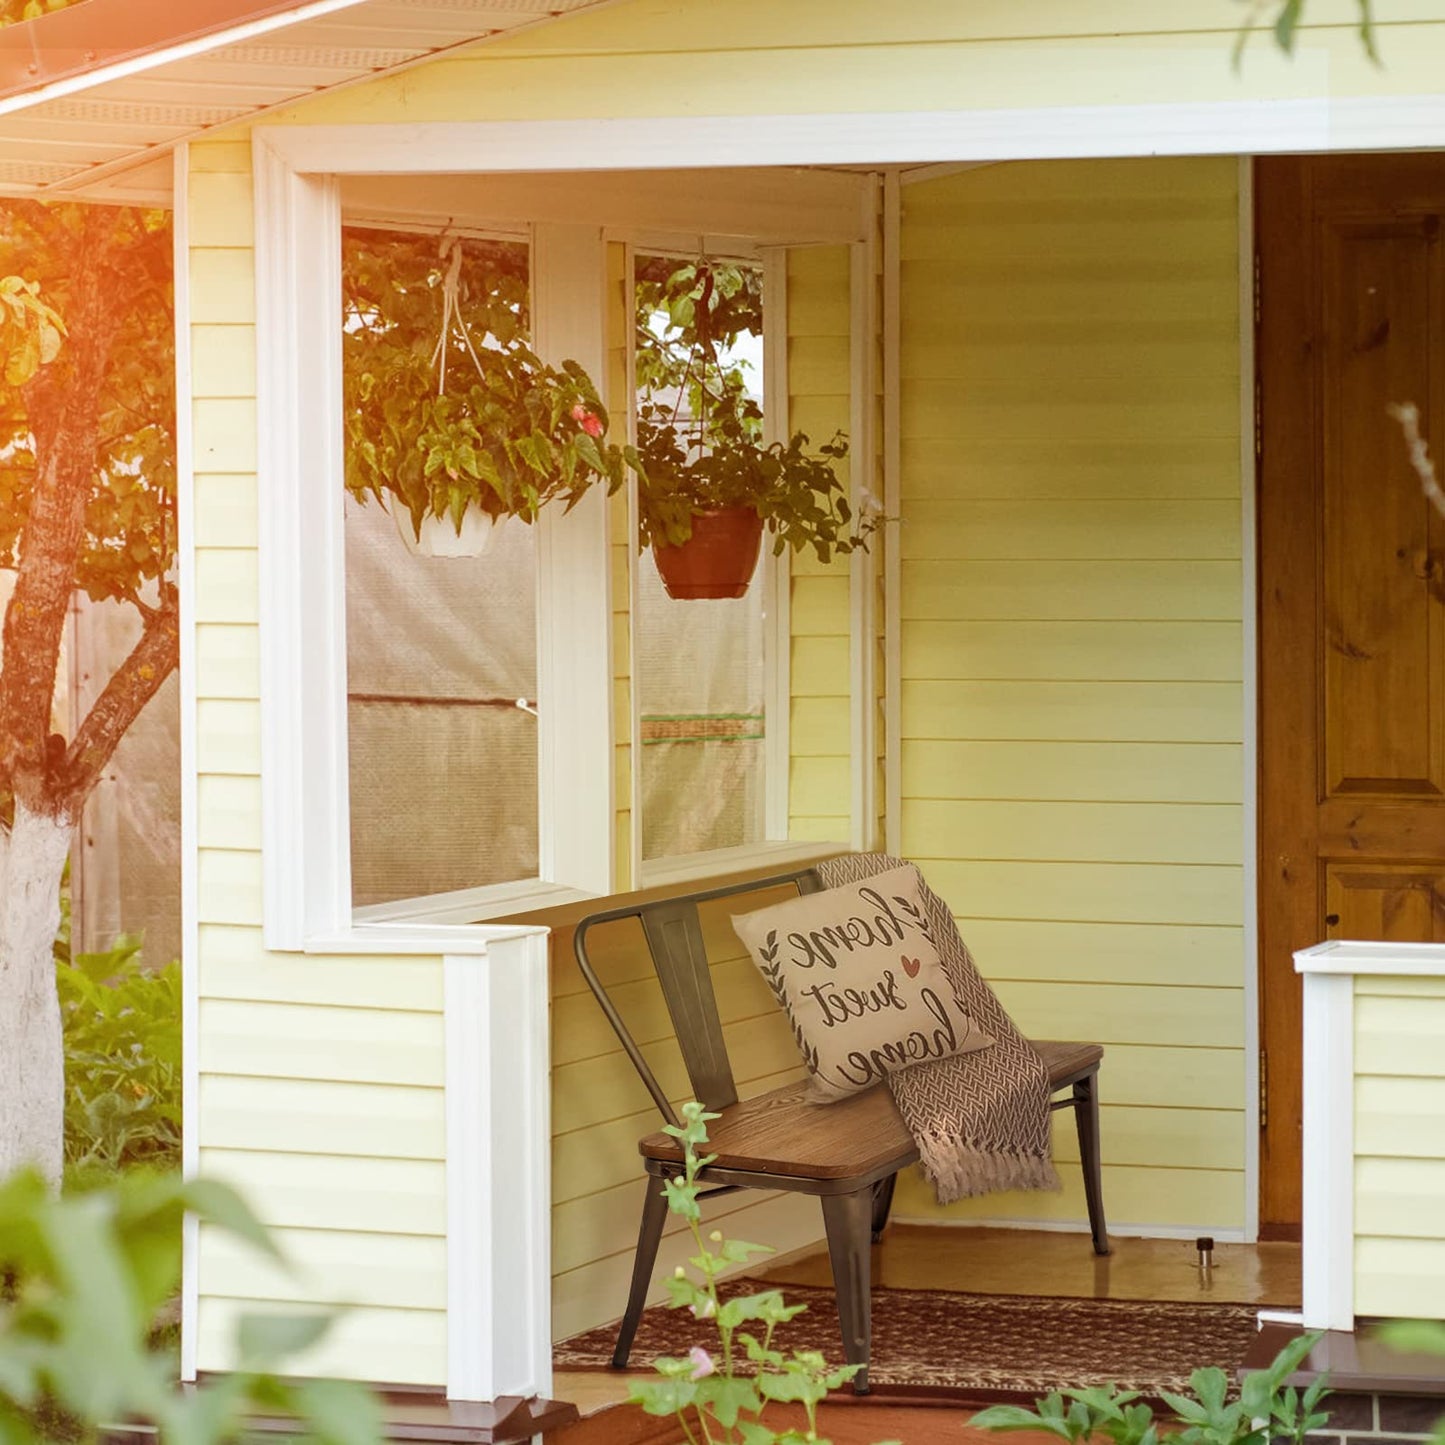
93	98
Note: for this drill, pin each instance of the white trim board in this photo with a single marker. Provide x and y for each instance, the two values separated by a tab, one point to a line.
881	138
576	768
190	783
498	1181
1327	1148
1400	960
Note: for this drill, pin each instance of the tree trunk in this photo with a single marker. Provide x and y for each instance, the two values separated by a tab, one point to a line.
32	1053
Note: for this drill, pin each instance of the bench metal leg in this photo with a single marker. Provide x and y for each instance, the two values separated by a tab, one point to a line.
649	1235
1086	1117
882	1203
848	1219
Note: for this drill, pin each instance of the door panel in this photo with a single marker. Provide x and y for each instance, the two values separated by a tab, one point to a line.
1351	320
1396	904
1381	645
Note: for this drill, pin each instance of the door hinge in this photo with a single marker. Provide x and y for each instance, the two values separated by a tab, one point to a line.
1263	1089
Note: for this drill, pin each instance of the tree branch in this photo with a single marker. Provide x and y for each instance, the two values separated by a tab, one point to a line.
131	687
61	406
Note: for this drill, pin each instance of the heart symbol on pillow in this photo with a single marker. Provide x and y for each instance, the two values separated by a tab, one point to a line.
911	966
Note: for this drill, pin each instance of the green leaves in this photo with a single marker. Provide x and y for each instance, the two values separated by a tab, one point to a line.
1287	21
1423	1337
122	1026
30	329
130	524
85	1274
445	413
700	433
1265	1413
705	1389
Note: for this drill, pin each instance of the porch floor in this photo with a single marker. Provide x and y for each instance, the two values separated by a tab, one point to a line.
1038	1262
1025	1262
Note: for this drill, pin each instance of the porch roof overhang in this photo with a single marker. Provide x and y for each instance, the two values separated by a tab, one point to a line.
94	97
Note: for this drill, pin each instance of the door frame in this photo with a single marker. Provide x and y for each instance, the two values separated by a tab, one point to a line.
1291	394
1253	976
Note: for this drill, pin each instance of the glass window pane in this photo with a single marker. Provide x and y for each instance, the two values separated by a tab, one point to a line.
441	651
699	674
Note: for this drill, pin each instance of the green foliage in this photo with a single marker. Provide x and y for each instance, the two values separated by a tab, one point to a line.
1287	17
1416	1337
122	1026
704	1389
130	518
84	1276
13	10
30	329
1266	1411
699	433
447	407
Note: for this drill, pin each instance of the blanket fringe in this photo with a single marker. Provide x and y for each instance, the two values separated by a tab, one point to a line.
958	1170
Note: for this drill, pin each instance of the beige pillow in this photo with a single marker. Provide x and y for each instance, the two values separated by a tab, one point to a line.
859	975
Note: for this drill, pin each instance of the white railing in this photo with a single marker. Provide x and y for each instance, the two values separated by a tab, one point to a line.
1328	1080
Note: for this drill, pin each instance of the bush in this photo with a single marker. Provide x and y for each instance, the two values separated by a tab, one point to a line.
83	1275
1265	1411
122	1026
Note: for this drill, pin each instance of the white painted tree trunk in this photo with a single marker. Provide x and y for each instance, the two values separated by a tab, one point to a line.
32	1054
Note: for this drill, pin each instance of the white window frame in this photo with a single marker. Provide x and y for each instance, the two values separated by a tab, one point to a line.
306	835
774	576
305	784
777	848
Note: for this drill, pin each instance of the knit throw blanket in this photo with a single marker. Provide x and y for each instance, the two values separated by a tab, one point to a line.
981	1119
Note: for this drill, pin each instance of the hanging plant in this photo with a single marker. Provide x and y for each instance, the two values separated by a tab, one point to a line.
448	411
702	452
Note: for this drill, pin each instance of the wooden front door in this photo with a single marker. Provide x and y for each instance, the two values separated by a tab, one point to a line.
1351	318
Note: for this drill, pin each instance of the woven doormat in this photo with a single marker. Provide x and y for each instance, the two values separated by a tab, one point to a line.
974	1346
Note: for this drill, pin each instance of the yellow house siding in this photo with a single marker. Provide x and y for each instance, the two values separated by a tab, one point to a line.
320	1093
646	58
1399	1147
819	397
1072	768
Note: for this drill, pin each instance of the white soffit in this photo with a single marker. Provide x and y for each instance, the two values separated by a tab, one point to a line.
704	210
106	135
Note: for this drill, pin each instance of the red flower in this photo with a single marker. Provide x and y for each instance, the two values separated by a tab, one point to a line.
592	425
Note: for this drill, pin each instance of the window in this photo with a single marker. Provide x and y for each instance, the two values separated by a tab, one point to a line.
441	650
700	671
324	695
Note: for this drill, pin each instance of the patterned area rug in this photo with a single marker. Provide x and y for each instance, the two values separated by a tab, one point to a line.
973	1346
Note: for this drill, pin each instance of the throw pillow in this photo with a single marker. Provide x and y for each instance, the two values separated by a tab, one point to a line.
858	973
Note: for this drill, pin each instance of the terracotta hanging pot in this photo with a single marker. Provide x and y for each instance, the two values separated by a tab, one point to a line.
718	560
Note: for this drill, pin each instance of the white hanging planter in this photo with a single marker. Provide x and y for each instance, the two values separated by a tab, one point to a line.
439	538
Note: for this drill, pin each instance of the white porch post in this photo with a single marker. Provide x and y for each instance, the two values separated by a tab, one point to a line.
499	1141
1328	1147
